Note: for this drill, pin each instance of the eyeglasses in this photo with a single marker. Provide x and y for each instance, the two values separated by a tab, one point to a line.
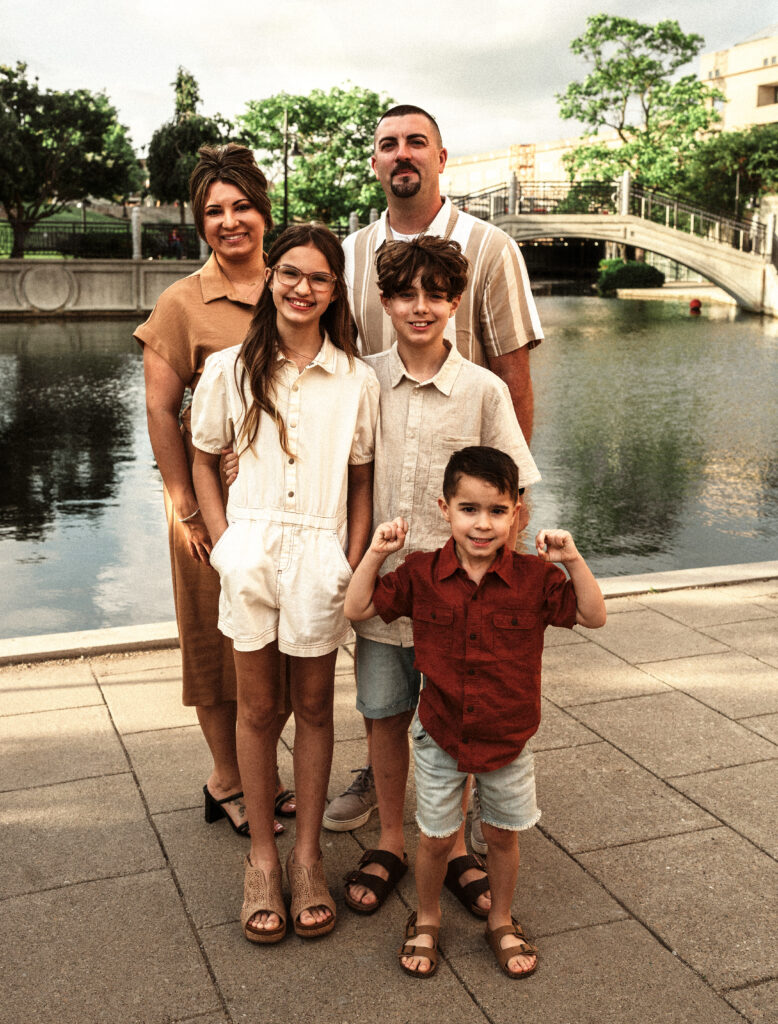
290	276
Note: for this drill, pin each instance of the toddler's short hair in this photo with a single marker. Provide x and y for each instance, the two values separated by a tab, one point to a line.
484	463
442	265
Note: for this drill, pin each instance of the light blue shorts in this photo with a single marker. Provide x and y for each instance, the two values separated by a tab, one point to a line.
387	682
507	794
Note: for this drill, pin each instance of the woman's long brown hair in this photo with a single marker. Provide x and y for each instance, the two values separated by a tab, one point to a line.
258	363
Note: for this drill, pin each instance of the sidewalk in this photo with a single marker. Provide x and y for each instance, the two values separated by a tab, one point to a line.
649	884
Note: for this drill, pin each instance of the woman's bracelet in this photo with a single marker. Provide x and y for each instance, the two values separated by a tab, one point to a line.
187	518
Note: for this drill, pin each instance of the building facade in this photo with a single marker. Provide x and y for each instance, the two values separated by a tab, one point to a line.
747	74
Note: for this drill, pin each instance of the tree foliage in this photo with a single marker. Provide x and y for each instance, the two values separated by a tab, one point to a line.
173	147
651	122
332	134
732	170
57	148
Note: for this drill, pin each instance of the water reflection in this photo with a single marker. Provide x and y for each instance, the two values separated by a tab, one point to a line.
65	426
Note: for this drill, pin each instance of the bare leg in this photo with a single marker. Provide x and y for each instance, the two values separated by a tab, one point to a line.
431	859
257	673
503	867
484	901
312	696
217	722
390	771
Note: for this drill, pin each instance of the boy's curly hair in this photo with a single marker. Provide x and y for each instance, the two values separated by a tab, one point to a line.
442	265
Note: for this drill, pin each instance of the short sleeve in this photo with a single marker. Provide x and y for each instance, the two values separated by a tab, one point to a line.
167	332
508	315
393	594
213	427
363	444
559	598
501	430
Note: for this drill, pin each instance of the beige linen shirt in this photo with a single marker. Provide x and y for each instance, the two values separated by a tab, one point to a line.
420	426
497	314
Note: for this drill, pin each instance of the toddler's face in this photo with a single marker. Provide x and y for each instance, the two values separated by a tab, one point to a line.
480	516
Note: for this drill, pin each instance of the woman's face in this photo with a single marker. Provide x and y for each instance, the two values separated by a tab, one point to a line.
234	227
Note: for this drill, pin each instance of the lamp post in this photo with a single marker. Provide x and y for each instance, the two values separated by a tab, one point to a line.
295	152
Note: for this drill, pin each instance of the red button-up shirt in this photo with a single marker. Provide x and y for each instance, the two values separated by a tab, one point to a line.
479	647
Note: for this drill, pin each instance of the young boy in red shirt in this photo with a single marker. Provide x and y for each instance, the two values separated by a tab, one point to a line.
479	611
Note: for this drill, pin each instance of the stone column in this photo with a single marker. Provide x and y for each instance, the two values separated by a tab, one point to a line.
625	187
353	223
513	194
137	251
373	215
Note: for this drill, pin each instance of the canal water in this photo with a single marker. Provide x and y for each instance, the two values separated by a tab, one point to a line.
656	434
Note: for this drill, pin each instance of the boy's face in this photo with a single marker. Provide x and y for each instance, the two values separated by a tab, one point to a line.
480	517
419	317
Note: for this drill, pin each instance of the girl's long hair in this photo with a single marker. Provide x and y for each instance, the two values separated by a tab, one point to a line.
258	363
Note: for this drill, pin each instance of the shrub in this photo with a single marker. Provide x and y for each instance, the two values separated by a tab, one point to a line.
616	274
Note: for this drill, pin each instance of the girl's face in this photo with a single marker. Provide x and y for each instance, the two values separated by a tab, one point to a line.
234	227
302	284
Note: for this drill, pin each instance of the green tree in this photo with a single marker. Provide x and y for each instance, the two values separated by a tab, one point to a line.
331	135
654	122
57	148
173	147
731	170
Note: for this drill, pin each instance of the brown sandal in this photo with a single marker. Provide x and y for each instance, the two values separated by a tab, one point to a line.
412	930
380	887
520	948
467	894
262	893
309	890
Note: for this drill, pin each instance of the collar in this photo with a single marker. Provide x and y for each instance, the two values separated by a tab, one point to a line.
448	563
326	357
214	283
438	226
443	380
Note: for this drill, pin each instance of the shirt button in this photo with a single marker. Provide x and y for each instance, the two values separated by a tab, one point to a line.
295	387
473	636
471	671
291	462
291	494
465	740
469	709
514	622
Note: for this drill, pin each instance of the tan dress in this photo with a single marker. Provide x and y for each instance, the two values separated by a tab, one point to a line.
194	317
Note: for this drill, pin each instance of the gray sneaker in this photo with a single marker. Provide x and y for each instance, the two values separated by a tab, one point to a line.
352	808
477	842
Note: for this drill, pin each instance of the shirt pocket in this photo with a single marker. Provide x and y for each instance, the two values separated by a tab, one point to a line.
443	447
513	632
433	627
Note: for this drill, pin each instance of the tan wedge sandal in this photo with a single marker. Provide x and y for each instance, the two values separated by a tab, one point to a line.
309	890
262	893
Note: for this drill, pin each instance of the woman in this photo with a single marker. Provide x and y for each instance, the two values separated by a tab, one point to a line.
208	311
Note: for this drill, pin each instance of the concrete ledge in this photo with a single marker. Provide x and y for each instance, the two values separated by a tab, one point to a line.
679	293
164	635
89	642
685	579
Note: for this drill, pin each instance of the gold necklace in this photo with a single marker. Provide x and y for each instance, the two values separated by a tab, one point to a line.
248	288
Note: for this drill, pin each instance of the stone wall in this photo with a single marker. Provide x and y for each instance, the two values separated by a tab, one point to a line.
34	288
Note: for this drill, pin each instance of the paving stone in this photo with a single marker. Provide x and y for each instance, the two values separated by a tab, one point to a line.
172	766
732	683
617	605
47	687
106	951
311	983
557	637
137	662
74	832
593	796
739	797
672	734
759	639
699	892
705	607
757	1003
765	725
57	746
640	636
608	974
147	700
583	674
558	729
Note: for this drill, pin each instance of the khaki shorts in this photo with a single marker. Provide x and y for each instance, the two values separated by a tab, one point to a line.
282	581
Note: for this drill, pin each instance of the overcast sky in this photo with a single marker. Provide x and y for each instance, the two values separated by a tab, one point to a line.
487	70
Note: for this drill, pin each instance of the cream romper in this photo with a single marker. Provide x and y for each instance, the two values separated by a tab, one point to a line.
281	560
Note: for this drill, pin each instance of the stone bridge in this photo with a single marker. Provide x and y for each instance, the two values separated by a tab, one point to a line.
735	255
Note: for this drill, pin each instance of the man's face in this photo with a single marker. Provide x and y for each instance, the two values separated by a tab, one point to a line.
407	158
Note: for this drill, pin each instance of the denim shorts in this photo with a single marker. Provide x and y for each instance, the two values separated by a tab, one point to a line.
507	794
387	682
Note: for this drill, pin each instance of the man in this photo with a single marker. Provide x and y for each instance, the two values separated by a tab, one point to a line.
495	326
